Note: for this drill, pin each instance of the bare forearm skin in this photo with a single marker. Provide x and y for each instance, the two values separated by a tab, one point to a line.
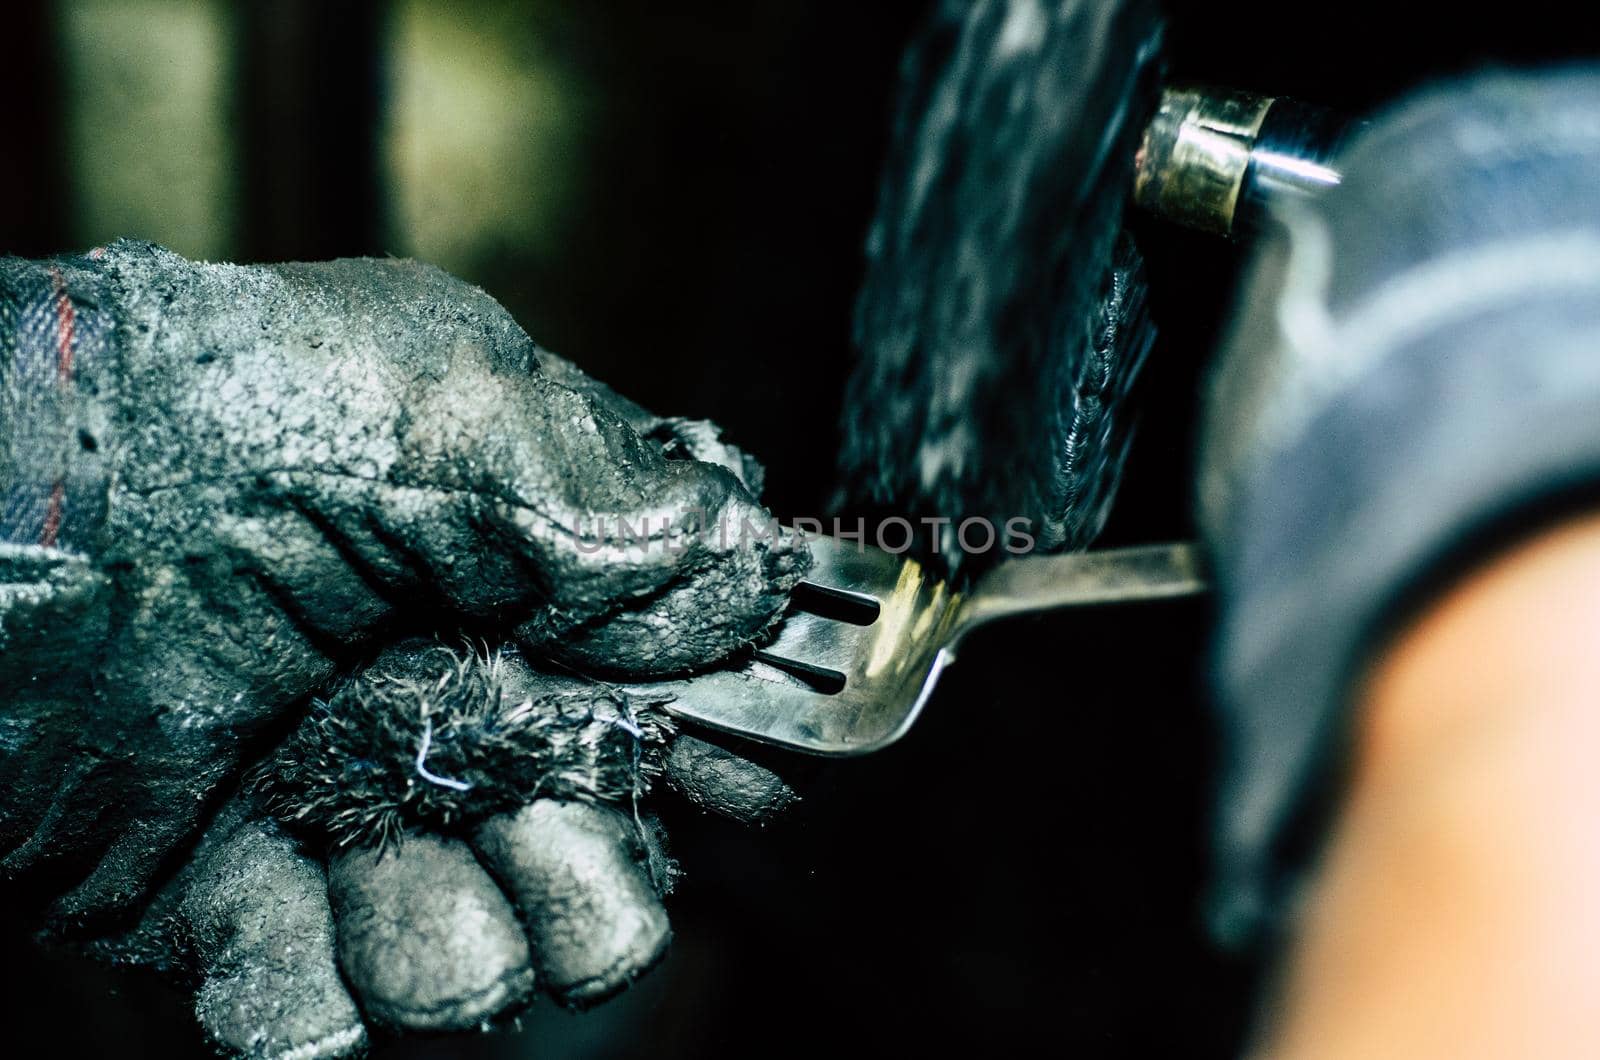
1457	910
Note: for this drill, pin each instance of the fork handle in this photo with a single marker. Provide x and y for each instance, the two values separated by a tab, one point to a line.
1031	584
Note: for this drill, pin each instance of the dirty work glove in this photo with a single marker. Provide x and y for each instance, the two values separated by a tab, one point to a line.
221	484
1411	375
484	840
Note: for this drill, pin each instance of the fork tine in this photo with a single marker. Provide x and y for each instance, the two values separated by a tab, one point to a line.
821	685
811	640
852	571
780	712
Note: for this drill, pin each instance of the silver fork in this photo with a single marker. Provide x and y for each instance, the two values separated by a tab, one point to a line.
869	633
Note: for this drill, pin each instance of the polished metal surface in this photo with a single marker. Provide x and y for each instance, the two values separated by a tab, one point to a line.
854	684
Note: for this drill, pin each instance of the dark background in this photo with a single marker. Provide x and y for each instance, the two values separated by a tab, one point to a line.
1024	871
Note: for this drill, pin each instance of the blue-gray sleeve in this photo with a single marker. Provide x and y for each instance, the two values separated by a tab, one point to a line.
1413	375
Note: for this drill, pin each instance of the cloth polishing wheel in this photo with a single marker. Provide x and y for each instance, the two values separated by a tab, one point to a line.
1002	320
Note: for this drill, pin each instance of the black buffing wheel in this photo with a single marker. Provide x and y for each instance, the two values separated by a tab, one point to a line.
1003	320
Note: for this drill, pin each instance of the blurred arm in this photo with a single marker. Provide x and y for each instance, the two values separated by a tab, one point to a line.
1457	910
